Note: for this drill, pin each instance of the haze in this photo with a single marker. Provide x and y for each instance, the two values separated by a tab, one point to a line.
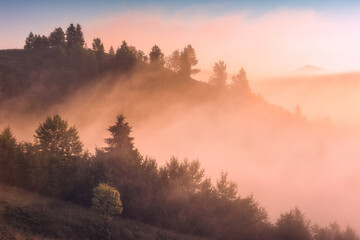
308	159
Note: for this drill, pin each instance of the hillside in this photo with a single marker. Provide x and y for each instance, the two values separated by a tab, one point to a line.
25	215
264	149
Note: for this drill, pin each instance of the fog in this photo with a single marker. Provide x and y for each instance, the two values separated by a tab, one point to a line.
283	159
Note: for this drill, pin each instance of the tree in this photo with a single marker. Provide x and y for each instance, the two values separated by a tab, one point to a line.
111	51
79	36
75	36
98	46
226	190
60	149
156	56
54	136
172	62
219	74
36	42
183	178
293	226
183	62
125	58
8	157
187	61
57	38
106	201
239	81
29	41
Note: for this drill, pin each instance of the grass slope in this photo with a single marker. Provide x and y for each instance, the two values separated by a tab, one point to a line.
25	215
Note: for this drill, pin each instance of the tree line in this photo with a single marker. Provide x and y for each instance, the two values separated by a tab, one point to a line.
176	196
126	57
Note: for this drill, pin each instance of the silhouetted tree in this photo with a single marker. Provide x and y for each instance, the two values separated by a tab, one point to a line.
74	36
111	51
98	46
8	157
29	41
156	56
219	75
293	226
125	58
333	232
225	189
187	61
61	147
40	42
183	62
54	136
57	38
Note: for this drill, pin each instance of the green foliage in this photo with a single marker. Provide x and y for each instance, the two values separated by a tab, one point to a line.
107	201
219	75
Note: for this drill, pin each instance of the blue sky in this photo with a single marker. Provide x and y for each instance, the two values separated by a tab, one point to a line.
18	17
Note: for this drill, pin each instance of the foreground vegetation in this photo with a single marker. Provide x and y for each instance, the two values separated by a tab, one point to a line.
175	196
26	215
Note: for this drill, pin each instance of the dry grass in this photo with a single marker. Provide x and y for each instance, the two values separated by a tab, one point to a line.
25	215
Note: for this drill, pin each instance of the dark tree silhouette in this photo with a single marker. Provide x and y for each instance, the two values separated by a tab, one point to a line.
225	189
29	41
111	51
293	225
74	36
187	61
183	62
57	38
156	56
8	157
125	57
55	137
61	149
98	46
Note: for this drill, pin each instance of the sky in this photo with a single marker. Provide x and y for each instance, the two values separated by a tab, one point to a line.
266	37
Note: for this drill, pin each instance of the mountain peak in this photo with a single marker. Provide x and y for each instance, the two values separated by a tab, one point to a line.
310	69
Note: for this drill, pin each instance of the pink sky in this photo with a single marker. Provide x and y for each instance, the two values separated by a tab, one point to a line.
271	44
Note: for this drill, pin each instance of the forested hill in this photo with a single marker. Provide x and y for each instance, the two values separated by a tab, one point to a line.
227	125
50	69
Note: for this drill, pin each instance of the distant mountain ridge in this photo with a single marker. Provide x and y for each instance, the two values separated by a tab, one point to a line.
310	69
